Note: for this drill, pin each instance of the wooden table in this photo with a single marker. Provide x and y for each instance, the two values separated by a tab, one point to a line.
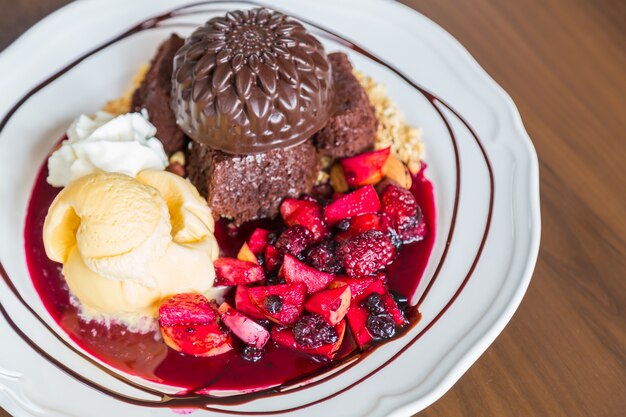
564	64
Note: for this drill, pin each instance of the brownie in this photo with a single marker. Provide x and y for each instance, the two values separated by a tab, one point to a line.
352	128
154	95
250	186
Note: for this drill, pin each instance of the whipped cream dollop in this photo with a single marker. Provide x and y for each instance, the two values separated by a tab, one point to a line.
124	144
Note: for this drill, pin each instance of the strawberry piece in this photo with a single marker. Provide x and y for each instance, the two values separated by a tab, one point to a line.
305	213
366	253
189	324
331	304
361	224
361	201
291	301
365	168
258	240
186	308
387	300
295	271
249	331
357	320
357	285
230	271
246	254
284	337
245	305
273	259
198	339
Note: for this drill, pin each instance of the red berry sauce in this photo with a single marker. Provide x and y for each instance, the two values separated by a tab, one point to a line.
146	356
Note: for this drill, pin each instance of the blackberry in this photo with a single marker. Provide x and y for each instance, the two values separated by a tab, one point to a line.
273	304
312	331
252	354
295	240
381	326
323	257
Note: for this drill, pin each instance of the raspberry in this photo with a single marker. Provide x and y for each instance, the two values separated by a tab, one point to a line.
324	257
312	331
366	253
295	240
403	213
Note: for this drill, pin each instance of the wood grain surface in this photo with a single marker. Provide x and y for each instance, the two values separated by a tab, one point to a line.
564	64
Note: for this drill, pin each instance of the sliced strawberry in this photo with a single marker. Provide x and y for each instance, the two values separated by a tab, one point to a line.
365	168
360	224
305	213
258	240
198	339
245	305
273	259
230	271
295	271
357	319
331	304
189	324
389	303
361	201
284	337
357	285
188	308
282	304
249	331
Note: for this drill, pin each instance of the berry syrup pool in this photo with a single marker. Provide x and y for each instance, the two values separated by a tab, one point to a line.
147	356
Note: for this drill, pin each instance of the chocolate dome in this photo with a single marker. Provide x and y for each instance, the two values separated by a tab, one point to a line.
251	81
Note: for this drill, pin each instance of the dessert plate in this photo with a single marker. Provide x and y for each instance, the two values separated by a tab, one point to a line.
480	160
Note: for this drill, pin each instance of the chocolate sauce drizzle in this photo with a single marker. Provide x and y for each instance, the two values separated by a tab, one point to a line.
204	401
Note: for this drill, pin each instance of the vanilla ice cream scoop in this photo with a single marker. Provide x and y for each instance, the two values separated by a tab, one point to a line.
126	243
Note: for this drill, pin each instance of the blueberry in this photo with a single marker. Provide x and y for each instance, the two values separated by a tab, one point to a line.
252	354
273	304
312	331
373	303
381	326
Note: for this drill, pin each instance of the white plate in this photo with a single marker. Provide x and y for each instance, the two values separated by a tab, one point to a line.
489	284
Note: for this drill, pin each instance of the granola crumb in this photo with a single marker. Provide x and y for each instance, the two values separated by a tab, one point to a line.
405	140
122	104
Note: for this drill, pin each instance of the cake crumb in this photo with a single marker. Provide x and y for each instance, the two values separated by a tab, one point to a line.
405	140
122	104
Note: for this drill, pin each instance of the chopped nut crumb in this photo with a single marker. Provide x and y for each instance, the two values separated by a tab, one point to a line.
122	104
405	140
178	157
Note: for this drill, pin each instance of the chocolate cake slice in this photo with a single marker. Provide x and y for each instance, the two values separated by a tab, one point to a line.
352	128
250	186
154	95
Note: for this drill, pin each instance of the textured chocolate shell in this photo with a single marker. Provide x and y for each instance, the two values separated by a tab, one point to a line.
251	81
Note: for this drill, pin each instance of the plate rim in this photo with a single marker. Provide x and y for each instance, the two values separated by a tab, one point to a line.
477	348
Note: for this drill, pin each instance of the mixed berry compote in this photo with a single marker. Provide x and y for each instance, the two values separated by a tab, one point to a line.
147	356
